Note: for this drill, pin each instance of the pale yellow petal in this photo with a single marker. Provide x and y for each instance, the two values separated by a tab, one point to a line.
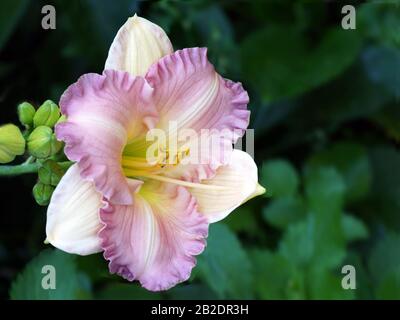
73	215
239	181
138	44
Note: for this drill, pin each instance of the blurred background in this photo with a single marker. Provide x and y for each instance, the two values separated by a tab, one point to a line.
325	107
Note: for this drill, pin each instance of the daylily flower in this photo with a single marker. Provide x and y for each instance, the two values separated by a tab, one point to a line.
149	218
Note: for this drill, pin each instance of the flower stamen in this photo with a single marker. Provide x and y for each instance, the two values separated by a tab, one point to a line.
144	174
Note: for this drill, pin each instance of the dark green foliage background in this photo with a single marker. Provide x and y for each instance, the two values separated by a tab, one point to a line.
326	113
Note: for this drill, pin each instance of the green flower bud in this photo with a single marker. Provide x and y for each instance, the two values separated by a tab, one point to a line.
47	114
42	193
26	112
50	173
12	143
42	143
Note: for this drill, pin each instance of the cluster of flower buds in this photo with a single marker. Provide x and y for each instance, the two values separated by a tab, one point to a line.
38	142
50	174
39	124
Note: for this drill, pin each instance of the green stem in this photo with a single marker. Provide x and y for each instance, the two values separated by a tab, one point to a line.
27	168
19	169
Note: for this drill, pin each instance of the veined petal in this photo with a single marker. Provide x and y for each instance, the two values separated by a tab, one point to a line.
189	93
73	219
103	113
155	239
138	44
240	180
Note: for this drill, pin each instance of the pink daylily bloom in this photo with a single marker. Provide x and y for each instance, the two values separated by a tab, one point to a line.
149	218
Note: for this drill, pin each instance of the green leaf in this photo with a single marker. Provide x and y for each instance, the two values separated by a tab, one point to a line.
298	243
242	219
354	228
319	238
389	288
126	291
379	20
271	114
28	285
84	291
384	267
224	265
282	212
324	190
351	161
384	202
325	193
217	36
341	100
95	266
313	256
280	63
323	284
385	258
272	274
383	68
219	22
364	286
297	286
280	178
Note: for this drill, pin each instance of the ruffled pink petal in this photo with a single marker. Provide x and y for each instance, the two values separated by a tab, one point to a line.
104	112
155	239
189	92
